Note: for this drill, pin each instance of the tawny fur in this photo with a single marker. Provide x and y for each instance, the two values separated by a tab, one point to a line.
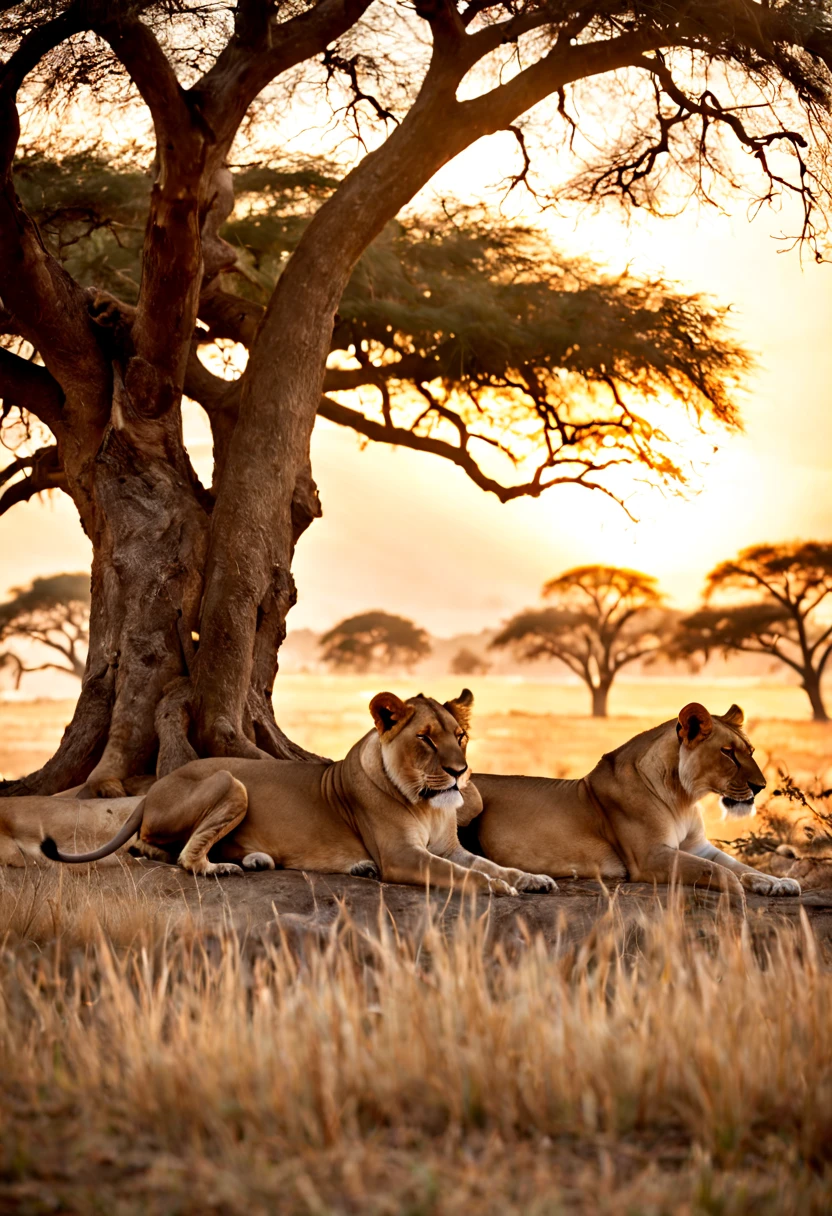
636	815
389	809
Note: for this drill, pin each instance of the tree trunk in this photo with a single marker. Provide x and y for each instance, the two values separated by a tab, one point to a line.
599	700
149	521
255	523
190	597
811	684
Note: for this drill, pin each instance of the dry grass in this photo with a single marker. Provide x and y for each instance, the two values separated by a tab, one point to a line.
662	1068
57	905
653	1069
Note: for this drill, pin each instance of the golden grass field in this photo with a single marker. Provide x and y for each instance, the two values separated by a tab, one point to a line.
659	1068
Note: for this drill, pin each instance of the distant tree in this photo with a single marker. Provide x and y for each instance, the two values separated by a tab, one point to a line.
54	612
775	602
374	639
602	619
467	662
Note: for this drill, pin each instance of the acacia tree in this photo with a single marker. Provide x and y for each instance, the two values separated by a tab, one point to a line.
467	662
374	640
603	618
474	338
773	600
52	612
190	586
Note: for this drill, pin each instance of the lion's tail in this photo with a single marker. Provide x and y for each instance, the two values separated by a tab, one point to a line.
50	849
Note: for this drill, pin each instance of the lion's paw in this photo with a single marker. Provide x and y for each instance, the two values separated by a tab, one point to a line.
539	883
767	884
219	869
258	861
496	886
365	869
103	787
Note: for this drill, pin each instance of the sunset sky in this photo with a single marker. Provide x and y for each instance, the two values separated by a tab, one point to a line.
409	533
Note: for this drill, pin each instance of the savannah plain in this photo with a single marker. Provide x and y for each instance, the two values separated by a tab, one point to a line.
439	308
675	1061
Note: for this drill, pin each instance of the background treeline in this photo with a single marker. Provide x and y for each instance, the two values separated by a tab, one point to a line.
767	610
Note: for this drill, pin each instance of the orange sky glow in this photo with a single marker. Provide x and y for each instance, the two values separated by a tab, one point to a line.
409	533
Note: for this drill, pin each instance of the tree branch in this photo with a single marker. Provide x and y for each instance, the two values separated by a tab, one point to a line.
342	415
9	656
135	45
499	107
623	659
30	387
172	256
47	305
229	316
28	55
261	49
46	474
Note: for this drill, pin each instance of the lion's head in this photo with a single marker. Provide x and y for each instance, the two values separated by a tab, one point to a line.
716	757
423	746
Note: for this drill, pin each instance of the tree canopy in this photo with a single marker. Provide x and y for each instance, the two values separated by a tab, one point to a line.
602	619
469	338
374	641
52	612
773	600
468	662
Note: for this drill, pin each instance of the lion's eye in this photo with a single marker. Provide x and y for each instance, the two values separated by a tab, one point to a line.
729	752
427	739
462	740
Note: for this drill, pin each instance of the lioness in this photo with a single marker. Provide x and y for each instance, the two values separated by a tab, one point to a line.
636	814
387	810
74	822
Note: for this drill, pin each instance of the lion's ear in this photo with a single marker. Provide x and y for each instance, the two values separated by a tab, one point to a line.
389	711
734	717
695	723
461	707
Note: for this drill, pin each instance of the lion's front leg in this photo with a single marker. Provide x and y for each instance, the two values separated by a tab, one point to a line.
416	865
519	879
665	864
753	880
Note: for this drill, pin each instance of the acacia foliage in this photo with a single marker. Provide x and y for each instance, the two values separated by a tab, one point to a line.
52	612
773	600
602	618
462	332
374	640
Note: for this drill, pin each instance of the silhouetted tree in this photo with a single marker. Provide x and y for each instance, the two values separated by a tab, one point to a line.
603	618
374	640
467	662
190	585
54	612
774	600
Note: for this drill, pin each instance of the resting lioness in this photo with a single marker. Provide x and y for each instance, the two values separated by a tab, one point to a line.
636	814
74	822
387	810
